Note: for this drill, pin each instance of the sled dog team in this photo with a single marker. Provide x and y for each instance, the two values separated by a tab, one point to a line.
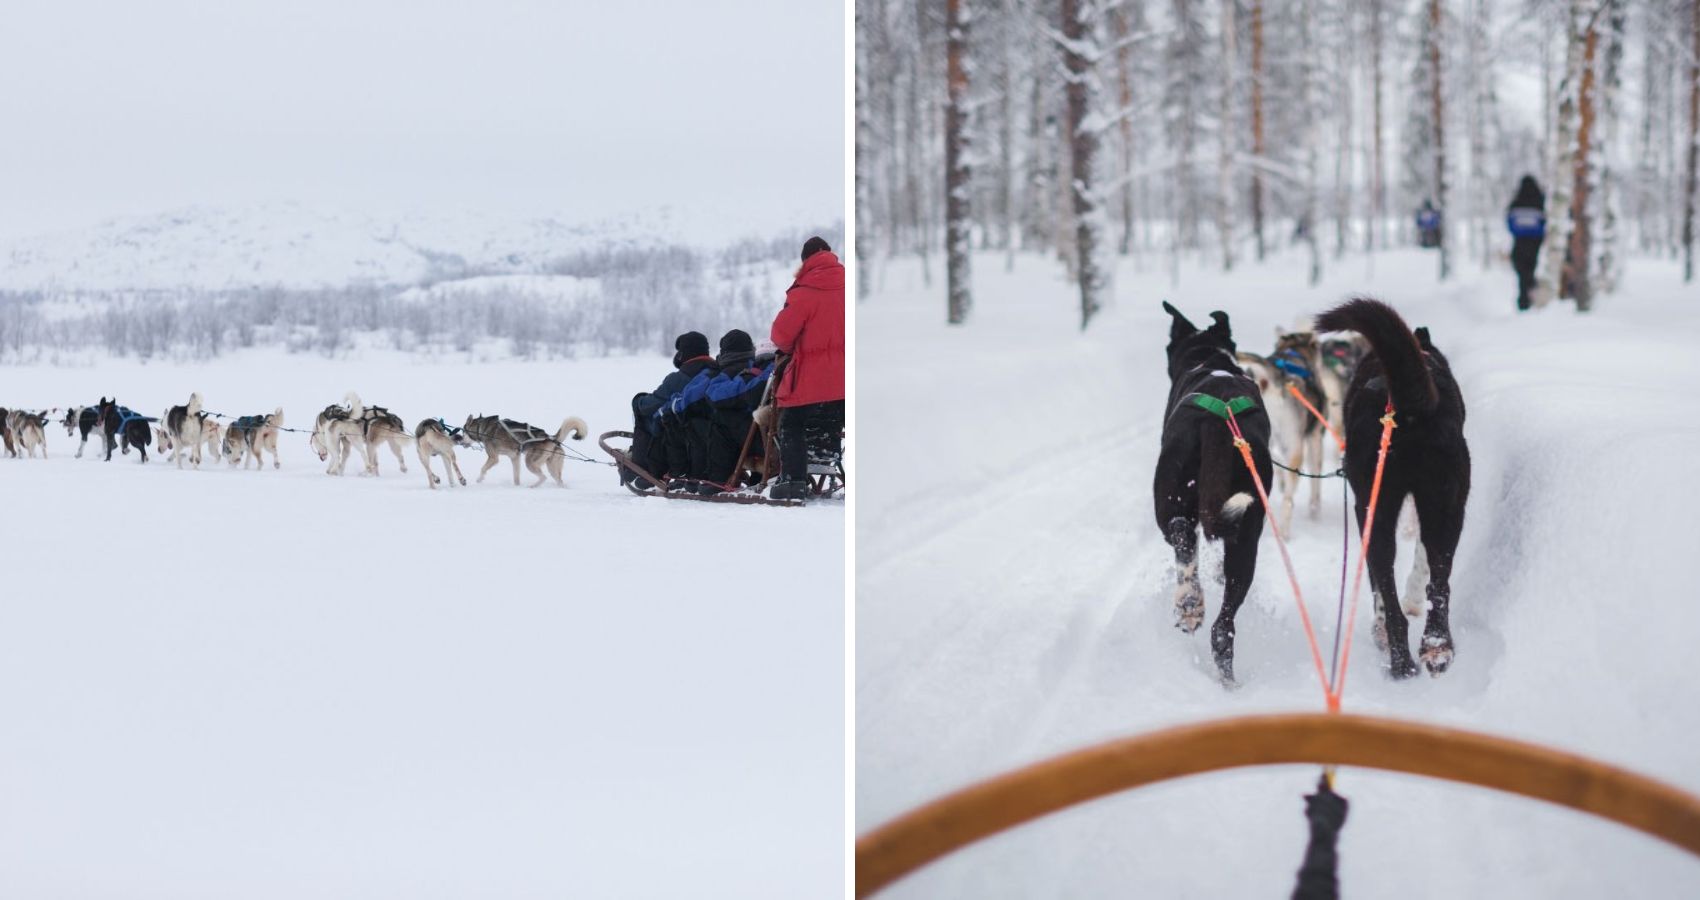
338	433
1203	482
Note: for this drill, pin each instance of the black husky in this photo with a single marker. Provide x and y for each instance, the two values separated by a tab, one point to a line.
1201	477
114	422
1427	460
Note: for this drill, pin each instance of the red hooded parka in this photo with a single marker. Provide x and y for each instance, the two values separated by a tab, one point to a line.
811	329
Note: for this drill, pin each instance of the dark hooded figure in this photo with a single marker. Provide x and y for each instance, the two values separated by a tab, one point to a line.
647	449
1527	220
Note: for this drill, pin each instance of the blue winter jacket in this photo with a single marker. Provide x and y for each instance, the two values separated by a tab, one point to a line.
1526	222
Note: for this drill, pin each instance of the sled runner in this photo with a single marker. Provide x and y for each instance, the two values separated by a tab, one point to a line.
827	477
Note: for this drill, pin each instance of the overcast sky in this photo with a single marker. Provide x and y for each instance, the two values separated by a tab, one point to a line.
578	108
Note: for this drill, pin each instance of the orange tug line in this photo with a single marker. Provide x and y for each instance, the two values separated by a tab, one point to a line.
1292	575
1294	390
1387	426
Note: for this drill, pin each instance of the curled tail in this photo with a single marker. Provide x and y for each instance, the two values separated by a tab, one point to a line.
1408	379
1220	506
276	418
577	425
356	410
194	408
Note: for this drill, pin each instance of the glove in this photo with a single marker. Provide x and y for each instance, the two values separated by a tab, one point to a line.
1325	809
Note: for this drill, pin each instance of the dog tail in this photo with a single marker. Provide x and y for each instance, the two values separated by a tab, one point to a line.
194	405
277	418
576	424
356	410
1220	507
1408	378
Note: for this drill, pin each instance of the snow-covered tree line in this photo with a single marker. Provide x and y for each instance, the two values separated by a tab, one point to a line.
1225	130
616	300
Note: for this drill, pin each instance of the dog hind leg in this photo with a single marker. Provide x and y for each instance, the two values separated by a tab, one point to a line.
1182	535
1440	515
1239	564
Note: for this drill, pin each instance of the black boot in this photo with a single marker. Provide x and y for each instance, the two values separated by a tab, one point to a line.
790	489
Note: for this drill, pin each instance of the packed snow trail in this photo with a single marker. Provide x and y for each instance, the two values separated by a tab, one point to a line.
1013	590
228	683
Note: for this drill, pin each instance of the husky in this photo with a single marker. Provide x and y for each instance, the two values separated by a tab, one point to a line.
1201	479
183	424
1427	460
28	431
251	436
506	437
1295	435
380	426
80	419
338	429
121	428
6	432
434	437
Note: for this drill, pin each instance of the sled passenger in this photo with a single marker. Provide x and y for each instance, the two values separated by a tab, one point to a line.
693	421
731	398
810	393
1527	220
648	450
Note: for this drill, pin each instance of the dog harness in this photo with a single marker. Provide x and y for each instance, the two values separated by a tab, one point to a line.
1220	408
1290	362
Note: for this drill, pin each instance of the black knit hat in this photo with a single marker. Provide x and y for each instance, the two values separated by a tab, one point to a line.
690	345
814	245
736	341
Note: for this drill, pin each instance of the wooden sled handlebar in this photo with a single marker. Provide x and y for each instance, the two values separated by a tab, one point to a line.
926	833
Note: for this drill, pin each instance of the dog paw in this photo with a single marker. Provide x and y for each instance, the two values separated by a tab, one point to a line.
1378	628
1189	611
463	482
1402	669
1437	653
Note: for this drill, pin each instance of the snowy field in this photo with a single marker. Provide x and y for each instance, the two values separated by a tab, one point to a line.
224	683
1013	595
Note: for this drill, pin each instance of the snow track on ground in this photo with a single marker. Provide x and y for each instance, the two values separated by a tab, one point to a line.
1013	595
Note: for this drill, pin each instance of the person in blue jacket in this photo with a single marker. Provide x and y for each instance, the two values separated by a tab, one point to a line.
648	449
1428	225
1527	219
697	421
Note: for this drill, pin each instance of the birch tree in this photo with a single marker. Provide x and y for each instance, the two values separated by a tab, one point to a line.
958	219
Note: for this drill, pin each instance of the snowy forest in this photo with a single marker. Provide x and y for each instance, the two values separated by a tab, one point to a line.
1222	131
612	299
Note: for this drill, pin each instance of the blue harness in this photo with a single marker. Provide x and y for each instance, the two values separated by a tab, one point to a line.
248	423
1288	361
127	415
450	429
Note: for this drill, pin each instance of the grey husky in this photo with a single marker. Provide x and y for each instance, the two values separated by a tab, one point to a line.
506	437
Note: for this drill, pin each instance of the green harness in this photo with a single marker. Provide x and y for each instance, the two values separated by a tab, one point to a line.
1221	408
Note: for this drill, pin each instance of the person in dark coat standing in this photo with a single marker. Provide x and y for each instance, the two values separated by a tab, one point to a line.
810	393
1527	219
648	449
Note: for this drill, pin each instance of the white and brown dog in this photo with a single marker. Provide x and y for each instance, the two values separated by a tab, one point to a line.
250	436
434	437
506	437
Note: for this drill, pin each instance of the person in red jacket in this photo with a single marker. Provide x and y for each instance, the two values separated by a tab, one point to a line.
810	393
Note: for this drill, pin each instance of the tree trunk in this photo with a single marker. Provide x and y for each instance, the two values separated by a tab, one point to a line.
1124	122
1343	152
1313	125
1579	247
864	187
1257	125
1692	194
1080	51
1378	166
1439	135
1225	133
959	225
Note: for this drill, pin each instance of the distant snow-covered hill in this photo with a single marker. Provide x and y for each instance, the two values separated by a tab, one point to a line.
289	245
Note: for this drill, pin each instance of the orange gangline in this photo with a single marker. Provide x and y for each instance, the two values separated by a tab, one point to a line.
1292	576
1387	426
1294	390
